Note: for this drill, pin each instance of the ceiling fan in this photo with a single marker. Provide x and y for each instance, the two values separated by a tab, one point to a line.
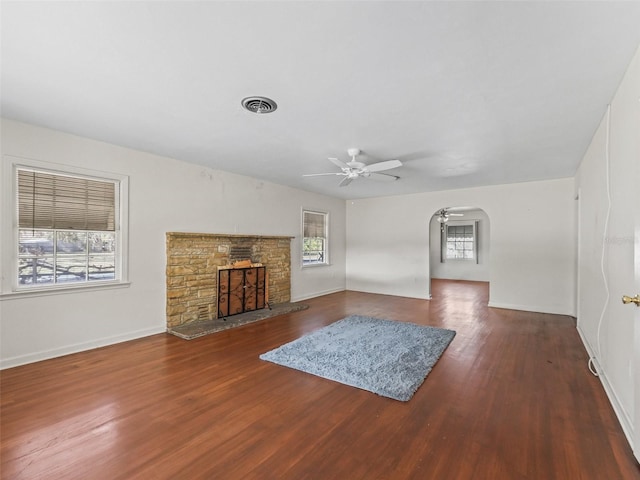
354	169
444	214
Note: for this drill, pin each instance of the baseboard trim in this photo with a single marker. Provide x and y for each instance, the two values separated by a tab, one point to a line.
528	308
623	418
317	294
78	347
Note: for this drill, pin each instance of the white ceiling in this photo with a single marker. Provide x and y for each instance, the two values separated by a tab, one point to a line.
463	93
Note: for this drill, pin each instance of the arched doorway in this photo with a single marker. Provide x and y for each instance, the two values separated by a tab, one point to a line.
459	243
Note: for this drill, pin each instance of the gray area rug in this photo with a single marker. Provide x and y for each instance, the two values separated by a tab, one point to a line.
198	328
385	357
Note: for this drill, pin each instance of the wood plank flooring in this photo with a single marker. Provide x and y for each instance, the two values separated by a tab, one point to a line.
511	398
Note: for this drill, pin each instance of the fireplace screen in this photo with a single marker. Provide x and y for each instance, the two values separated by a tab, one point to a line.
241	290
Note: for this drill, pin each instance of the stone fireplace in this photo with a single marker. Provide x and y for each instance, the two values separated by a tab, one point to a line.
193	261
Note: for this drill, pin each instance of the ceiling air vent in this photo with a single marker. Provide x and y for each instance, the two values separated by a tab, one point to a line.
259	104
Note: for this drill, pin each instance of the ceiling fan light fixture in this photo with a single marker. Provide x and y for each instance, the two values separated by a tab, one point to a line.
259	105
442	218
354	169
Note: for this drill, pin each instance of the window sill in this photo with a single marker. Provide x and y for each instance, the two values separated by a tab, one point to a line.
44	291
313	265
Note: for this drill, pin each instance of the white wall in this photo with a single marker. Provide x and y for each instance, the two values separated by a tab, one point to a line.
606	245
532	253
165	195
475	270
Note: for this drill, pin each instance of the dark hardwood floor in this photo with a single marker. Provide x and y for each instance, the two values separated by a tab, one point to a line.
511	398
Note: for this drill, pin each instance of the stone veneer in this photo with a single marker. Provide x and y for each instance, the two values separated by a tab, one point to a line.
192	270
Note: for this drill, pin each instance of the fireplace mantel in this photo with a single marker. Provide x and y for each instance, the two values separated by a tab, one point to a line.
227	235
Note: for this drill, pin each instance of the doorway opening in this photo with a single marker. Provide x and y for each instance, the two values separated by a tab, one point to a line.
459	243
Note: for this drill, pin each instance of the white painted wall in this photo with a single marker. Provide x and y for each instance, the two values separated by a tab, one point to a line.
165	195
477	271
606	243
532	253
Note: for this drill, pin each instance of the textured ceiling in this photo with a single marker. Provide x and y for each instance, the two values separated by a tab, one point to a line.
463	93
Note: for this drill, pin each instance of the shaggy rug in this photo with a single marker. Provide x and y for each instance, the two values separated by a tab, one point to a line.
385	357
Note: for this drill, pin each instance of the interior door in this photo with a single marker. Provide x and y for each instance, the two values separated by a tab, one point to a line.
636	373
623	251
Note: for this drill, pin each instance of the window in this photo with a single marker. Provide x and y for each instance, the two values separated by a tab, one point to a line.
460	242
68	229
314	238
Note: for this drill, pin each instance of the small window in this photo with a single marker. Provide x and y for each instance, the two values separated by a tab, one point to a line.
460	242
314	238
68	229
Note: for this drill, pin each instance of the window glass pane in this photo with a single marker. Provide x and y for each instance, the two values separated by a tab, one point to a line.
45	261
102	267
71	242
35	242
35	270
313	250
102	242
460	242
71	268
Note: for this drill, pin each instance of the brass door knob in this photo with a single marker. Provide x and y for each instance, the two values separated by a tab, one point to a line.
626	299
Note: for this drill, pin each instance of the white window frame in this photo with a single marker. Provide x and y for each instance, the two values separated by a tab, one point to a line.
9	286
444	236
325	254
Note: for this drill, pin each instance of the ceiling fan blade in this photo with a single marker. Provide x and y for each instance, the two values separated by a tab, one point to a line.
339	163
322	174
382	177
346	181
386	165
456	214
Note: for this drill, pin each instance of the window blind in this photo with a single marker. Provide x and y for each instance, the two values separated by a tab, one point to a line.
314	225
47	200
